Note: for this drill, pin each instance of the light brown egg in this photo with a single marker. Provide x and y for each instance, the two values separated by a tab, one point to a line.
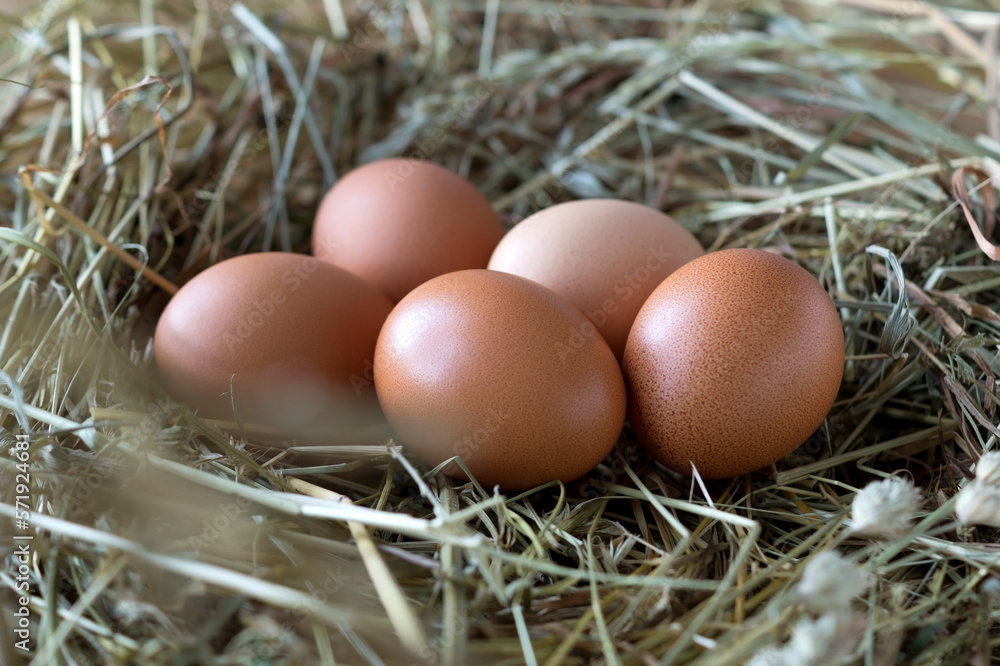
603	256
499	370
297	337
399	222
732	363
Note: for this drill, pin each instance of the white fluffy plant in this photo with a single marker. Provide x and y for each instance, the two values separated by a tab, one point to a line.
827	640
978	503
831	581
829	585
988	468
885	509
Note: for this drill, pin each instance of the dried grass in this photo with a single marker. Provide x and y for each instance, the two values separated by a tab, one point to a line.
141	143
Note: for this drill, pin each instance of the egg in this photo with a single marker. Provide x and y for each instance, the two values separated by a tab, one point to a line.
295	336
499	370
732	363
400	222
603	256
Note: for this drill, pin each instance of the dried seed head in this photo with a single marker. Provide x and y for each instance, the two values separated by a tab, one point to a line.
769	656
988	468
886	508
990	588
829	640
978	503
831	581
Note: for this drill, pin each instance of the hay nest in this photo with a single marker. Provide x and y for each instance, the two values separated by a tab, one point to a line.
140	143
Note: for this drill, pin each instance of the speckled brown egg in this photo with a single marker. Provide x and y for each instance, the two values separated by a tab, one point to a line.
295	335
732	363
499	370
603	256
400	222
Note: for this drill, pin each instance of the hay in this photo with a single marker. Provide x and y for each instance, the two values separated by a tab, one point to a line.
141	143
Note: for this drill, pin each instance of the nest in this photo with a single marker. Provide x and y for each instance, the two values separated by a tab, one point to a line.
140	144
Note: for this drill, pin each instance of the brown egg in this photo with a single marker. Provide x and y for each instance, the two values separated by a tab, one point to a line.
603	256
399	222
297	337
499	370
732	363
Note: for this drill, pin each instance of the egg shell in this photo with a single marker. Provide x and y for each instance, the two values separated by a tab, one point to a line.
500	370
296	335
732	363
603	256
400	222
